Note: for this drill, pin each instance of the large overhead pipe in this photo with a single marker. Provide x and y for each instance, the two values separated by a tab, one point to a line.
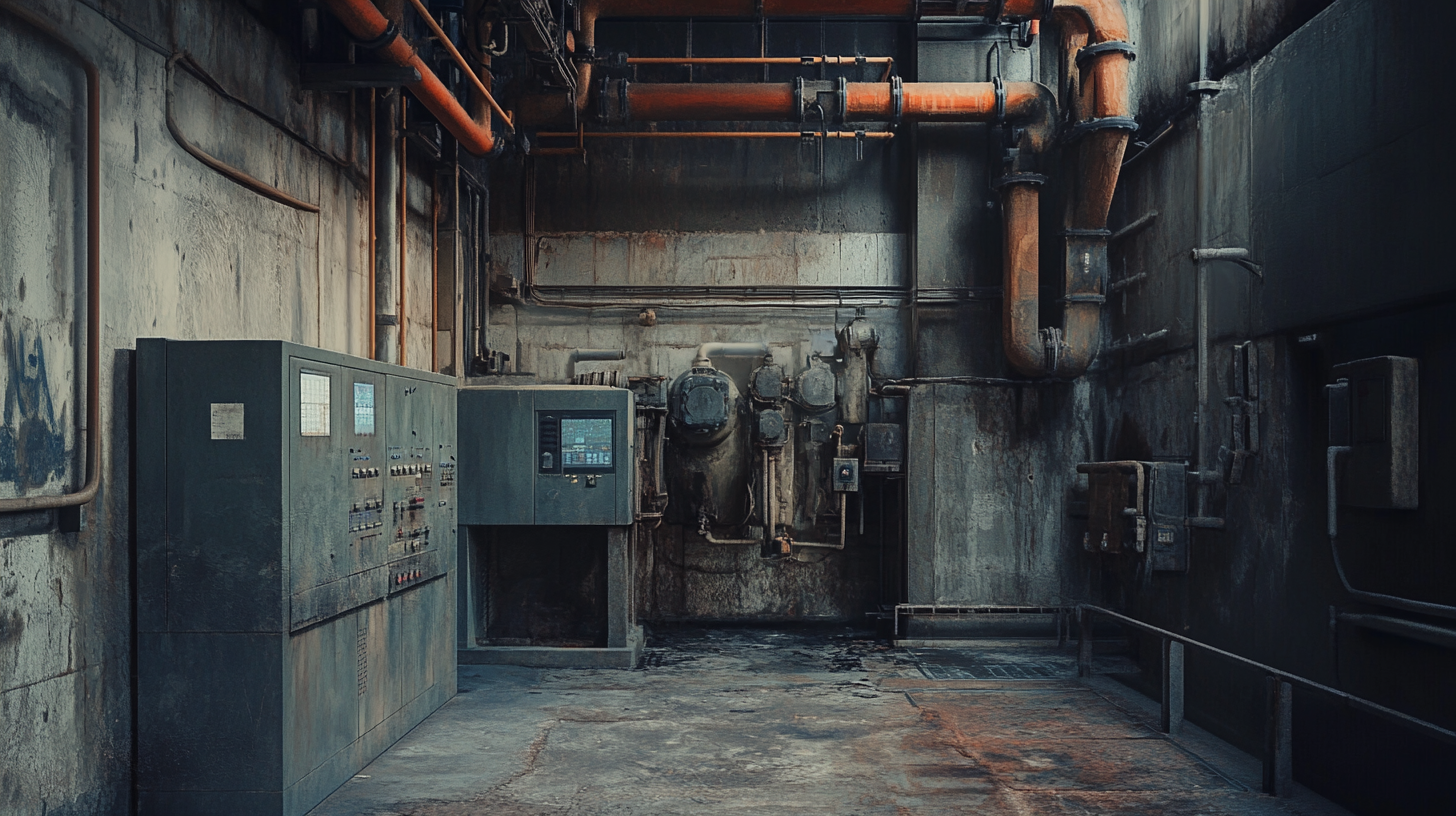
374	31
592	10
1022	103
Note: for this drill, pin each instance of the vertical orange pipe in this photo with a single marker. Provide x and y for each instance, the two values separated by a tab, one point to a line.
403	225
435	276
373	235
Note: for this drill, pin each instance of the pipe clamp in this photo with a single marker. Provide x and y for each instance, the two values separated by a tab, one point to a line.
1000	86
387	36
1107	123
897	101
1018	178
1103	48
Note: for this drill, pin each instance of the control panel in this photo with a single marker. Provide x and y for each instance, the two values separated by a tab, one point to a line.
311	576
546	455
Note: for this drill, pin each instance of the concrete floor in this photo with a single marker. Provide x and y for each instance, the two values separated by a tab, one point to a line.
748	722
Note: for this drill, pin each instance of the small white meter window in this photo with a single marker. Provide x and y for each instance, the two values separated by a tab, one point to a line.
313	404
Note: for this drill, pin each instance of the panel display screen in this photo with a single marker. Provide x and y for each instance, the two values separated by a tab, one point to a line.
363	409
586	443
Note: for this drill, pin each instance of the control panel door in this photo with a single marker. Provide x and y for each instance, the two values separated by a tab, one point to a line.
366	468
318	517
410	492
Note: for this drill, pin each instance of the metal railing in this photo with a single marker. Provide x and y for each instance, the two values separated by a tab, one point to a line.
1279	690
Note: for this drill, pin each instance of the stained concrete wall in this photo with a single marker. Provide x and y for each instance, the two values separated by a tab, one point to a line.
186	254
1321	158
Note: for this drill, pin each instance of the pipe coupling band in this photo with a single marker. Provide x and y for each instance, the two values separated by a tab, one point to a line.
1018	178
613	103
997	8
390	33
897	100
1046	9
799	100
1103	48
1106	123
1000	86
841	94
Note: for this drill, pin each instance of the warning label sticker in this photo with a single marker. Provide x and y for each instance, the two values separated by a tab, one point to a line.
227	420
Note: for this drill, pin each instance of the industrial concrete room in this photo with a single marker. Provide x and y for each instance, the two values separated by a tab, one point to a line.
778	407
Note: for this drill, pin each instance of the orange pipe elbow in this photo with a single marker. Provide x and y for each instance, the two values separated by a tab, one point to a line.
365	22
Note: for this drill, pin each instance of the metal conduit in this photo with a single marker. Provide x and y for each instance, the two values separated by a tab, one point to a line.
92	485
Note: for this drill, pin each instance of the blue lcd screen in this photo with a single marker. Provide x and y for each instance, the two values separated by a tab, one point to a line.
586	443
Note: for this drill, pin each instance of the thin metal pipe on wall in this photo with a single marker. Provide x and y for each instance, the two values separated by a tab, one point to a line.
92	485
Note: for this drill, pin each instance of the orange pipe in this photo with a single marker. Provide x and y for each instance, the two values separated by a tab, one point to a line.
1022	267
460	61
759	60
592	10
365	22
1098	93
756	101
403	226
701	102
373	231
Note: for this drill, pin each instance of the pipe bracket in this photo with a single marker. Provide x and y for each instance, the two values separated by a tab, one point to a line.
1106	123
1000	88
1103	48
1018	178
897	101
389	35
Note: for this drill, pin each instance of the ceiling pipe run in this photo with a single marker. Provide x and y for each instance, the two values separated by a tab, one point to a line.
1095	91
374	31
590	11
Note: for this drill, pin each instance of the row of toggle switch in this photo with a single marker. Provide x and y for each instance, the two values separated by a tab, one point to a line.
359	528
409	470
369	504
363	473
406	577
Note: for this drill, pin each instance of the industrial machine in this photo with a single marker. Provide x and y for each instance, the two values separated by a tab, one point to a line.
546	455
548	486
295	554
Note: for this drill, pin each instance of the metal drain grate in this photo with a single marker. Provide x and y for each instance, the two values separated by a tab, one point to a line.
993	671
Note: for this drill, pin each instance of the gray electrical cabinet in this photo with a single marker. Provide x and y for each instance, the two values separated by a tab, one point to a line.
295	549
547	455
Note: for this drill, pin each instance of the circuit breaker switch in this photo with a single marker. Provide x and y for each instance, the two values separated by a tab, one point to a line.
846	475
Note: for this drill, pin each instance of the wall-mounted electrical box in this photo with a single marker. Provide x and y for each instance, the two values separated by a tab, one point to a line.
1138	507
846	475
546	455
884	449
1375	410
295	545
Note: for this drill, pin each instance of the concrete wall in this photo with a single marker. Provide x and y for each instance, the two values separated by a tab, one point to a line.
1322	159
186	254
